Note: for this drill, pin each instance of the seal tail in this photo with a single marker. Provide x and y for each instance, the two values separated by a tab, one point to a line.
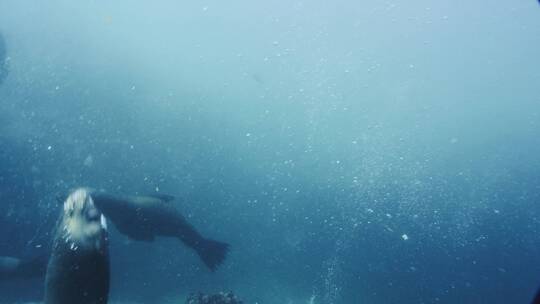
212	252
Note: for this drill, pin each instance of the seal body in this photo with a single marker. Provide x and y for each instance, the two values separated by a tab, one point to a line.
78	268
145	217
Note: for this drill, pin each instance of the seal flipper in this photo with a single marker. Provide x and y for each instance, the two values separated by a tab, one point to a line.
212	252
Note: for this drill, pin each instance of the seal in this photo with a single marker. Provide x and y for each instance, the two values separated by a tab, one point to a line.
143	218
15	268
3	59
78	268
536	299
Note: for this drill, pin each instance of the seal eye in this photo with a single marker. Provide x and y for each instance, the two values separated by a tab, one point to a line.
92	214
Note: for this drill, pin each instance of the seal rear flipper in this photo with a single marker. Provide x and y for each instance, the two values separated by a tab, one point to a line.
212	252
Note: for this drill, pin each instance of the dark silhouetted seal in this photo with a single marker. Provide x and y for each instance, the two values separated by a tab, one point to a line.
3	59
145	217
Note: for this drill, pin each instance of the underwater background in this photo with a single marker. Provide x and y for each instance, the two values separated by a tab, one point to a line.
349	151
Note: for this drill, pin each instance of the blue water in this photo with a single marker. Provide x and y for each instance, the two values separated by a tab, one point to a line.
349	151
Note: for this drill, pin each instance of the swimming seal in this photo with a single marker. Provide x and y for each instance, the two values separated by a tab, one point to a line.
145	217
78	269
3	59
